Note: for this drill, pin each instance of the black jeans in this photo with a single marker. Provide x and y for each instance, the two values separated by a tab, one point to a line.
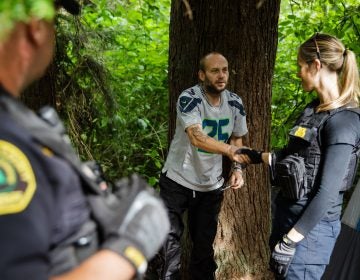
203	211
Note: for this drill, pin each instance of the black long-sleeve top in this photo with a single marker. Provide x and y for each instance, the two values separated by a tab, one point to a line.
339	136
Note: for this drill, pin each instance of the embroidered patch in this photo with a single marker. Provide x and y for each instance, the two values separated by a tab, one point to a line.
300	132
17	179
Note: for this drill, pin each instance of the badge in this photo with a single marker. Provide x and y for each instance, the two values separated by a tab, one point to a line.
306	133
300	132
17	179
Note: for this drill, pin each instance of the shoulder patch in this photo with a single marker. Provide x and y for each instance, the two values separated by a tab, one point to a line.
187	103
17	179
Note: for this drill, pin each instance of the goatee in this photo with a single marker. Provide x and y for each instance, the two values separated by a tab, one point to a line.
212	90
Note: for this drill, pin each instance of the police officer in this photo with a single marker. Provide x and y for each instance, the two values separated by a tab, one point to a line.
56	221
319	162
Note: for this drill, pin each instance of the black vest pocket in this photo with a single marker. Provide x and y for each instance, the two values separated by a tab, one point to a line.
290	175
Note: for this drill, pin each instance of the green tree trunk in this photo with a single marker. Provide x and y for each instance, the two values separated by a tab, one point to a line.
246	33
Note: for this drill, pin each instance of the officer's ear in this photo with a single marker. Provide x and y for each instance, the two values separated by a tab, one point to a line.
38	32
317	64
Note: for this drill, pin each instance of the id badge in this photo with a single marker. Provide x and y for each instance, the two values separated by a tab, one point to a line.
303	132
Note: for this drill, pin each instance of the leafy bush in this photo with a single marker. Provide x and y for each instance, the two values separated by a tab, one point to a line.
113	68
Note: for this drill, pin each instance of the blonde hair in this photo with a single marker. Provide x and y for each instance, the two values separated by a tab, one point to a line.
332	53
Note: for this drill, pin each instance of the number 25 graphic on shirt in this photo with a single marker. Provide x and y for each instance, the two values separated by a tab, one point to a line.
214	129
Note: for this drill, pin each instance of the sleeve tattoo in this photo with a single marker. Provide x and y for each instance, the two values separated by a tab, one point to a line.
199	134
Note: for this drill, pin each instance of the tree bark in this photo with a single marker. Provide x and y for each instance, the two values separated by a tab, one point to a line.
245	32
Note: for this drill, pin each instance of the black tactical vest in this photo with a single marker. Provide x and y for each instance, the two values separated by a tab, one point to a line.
305	142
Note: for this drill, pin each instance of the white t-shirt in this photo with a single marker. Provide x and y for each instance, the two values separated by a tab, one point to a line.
192	167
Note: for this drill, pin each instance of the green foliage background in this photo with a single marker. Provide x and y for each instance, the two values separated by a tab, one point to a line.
298	21
113	83
112	64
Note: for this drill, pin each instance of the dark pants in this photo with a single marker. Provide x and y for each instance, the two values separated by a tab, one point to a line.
203	210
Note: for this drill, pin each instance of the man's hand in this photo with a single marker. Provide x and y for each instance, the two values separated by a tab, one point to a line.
253	155
282	256
236	179
234	156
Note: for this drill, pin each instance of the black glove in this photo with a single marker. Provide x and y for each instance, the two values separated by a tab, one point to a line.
255	156
282	256
134	222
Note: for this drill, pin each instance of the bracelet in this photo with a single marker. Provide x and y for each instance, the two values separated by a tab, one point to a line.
288	241
236	166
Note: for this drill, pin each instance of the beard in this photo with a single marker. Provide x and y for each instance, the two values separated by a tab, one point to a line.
211	89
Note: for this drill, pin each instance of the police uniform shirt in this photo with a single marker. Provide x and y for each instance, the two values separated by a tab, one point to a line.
192	167
41	202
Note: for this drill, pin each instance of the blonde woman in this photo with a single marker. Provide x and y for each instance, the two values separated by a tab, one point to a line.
319	162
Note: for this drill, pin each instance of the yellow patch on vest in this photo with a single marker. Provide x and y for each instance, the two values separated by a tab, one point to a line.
300	132
17	179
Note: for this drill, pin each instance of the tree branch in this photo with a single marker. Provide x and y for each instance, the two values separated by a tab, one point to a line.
188	12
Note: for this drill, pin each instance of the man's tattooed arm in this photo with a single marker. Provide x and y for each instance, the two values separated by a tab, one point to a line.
197	133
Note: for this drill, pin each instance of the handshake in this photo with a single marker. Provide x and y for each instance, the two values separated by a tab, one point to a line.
254	156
